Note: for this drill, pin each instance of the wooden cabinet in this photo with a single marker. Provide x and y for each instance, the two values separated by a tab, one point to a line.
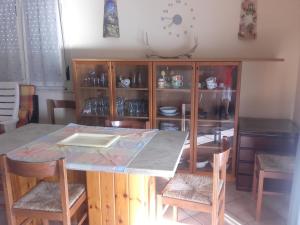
173	102
201	98
277	136
216	105
132	90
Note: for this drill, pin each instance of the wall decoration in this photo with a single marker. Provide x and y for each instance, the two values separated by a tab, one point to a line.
111	20
173	20
247	30
153	54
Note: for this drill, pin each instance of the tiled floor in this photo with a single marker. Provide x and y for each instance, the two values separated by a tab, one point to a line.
240	210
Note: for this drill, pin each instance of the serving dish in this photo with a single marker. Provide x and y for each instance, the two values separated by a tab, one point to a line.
89	140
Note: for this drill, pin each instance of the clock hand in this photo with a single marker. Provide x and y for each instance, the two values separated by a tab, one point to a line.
170	24
166	18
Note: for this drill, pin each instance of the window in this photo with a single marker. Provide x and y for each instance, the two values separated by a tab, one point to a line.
38	45
10	52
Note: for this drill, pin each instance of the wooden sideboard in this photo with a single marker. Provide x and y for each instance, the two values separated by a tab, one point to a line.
279	136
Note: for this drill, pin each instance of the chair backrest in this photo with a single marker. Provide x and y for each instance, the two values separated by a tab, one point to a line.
35	170
63	104
128	124
9	101
28	111
219	171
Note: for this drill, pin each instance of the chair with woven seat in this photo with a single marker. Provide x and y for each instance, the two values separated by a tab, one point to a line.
55	201
199	193
61	104
270	166
127	124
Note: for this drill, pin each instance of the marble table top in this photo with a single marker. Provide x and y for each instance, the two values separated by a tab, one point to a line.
148	152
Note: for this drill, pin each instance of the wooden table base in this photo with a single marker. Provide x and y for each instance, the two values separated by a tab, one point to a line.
120	199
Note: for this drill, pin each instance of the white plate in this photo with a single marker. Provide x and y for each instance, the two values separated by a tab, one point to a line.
168	109
89	140
169	114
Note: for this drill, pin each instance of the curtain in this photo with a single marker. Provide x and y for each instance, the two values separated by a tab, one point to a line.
10	51
294	213
43	42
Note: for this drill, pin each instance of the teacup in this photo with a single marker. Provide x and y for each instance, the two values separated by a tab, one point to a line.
177	81
211	82
125	83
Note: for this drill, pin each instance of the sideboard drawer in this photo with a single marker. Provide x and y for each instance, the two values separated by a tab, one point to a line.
245	168
267	143
247	154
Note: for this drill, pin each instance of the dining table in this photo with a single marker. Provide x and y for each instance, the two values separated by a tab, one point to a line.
120	178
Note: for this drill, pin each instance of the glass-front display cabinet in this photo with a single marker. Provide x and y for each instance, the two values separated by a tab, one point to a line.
132	83
93	93
173	98
216	104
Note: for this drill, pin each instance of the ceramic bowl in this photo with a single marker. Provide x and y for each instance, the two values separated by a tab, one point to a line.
201	164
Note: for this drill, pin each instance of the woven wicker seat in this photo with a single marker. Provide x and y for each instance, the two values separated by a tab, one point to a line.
46	197
198	193
276	163
269	166
191	188
45	201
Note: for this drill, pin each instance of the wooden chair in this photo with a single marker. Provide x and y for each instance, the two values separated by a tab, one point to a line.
9	105
47	200
128	124
269	166
63	104
198	193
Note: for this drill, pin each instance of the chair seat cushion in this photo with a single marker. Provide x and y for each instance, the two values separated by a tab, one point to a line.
46	197
276	163
191	188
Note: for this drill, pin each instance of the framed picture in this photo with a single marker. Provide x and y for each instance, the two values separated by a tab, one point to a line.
111	20
248	19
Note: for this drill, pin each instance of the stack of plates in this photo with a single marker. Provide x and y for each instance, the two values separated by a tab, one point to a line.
168	126
168	111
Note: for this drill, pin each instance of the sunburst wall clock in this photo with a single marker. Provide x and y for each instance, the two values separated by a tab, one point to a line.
178	18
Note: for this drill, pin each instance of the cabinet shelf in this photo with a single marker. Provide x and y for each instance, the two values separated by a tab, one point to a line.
133	117
132	89
174	89
215	90
94	88
215	120
175	118
93	116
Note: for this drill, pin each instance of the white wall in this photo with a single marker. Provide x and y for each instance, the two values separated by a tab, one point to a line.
268	89
297	100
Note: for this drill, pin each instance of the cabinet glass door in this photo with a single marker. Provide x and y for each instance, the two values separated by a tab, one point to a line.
216	111
132	88
173	98
93	85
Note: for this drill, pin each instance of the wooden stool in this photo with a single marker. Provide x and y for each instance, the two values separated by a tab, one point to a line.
47	200
269	166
